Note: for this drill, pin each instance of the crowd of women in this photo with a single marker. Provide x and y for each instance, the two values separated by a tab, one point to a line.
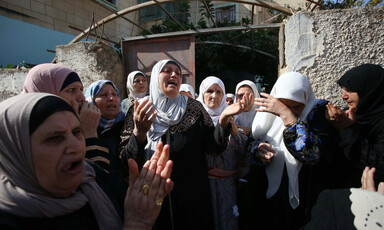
166	157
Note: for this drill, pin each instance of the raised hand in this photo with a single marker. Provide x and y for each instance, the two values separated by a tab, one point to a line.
89	117
272	105
338	118
367	181
144	115
147	190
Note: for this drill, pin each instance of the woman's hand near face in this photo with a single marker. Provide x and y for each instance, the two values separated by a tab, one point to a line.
266	152
233	109
272	105
143	116
147	190
367	181
89	119
339	119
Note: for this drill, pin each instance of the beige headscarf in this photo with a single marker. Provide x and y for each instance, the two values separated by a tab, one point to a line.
20	191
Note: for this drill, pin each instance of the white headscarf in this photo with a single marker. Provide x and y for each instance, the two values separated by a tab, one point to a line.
205	84
231	95
268	127
187	88
132	92
169	110
20	192
245	119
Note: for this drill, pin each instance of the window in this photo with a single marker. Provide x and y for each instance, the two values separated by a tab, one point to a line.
112	4
227	13
156	13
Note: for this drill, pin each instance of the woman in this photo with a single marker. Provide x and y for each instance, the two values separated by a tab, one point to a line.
244	119
47	183
224	169
137	87
65	83
361	127
182	123
230	99
105	95
291	135
187	90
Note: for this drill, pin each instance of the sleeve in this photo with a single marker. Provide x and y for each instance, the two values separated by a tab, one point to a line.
302	142
129	147
253	149
97	153
363	151
216	143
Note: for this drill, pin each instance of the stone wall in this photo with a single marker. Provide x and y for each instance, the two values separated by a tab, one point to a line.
325	44
93	61
11	82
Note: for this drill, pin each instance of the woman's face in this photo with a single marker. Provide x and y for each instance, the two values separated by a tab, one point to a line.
296	107
170	80
140	84
229	101
241	92
352	98
213	96
58	151
108	102
73	94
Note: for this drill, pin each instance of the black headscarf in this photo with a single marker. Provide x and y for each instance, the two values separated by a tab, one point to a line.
368	81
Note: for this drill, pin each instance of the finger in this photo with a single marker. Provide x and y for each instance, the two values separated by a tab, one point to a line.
150	173
155	183
267	95
135	105
169	185
166	173
363	176
158	151
133	171
370	182
164	156
380	188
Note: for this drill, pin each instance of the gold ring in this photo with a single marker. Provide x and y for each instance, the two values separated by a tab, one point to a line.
159	202
145	189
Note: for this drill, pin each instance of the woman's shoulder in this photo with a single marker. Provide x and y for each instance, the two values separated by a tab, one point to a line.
195	108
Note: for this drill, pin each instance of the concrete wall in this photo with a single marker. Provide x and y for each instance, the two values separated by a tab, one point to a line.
11	82
325	44
59	14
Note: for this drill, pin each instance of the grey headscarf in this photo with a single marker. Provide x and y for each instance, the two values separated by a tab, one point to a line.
132	92
169	110
20	191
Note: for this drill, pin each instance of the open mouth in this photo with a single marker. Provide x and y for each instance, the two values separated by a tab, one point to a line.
172	82
73	167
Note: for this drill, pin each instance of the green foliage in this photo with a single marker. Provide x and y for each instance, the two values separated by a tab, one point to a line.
345	4
218	59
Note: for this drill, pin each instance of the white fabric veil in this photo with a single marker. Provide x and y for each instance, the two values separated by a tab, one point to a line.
169	110
245	119
205	84
268	127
